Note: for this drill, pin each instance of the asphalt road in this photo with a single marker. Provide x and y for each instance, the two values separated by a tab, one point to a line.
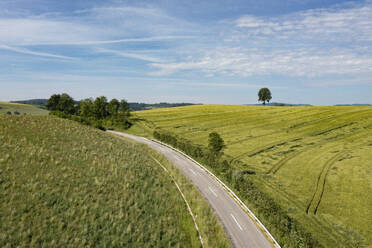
241	229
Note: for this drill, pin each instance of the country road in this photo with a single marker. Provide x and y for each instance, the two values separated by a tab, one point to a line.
241	229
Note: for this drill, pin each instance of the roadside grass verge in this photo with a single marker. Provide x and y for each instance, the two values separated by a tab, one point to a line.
66	184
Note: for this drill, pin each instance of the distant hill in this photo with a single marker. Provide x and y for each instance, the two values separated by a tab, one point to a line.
17	109
143	106
135	106
355	104
279	104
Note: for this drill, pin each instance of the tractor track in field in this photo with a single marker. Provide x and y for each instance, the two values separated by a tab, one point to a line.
321	181
335	234
262	149
276	167
272	145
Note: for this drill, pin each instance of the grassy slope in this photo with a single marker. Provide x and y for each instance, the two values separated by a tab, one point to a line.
64	184
314	161
21	108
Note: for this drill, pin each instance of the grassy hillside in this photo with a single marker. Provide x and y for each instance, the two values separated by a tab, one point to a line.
314	161
21	108
67	185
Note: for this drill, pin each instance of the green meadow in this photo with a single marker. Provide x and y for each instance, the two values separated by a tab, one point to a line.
63	184
315	162
21	109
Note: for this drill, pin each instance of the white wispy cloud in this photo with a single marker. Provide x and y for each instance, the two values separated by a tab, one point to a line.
130	40
352	23
97	26
138	56
29	31
30	52
313	43
293	62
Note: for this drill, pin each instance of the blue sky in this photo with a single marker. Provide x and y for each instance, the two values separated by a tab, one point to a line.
305	51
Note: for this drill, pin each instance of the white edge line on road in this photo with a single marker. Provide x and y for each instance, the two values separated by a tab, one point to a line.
241	203
214	193
237	223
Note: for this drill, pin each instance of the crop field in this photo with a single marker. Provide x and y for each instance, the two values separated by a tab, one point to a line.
63	184
315	162
21	109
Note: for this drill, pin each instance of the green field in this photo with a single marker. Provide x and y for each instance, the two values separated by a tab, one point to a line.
21	108
63	184
314	161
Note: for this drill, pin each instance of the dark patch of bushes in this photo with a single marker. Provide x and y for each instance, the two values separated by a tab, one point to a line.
98	113
86	121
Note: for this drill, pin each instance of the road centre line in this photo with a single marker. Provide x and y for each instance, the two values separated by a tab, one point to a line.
193	172
214	193
237	223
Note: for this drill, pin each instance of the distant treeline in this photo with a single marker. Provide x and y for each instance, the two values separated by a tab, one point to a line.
38	102
356	104
98	112
285	229
134	106
281	104
143	106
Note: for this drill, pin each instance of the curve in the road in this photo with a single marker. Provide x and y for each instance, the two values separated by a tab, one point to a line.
241	228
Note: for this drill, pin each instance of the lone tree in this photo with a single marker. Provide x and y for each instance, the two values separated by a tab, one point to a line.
216	143
264	95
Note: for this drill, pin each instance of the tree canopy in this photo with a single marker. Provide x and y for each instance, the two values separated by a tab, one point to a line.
53	102
216	143
97	111
264	95
63	103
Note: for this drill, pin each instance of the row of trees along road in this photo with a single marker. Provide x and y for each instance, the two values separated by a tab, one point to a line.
98	112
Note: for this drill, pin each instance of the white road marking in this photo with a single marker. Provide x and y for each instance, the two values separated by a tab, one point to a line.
214	193
193	172
237	223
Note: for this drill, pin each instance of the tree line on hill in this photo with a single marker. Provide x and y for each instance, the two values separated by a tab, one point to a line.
134	106
98	112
